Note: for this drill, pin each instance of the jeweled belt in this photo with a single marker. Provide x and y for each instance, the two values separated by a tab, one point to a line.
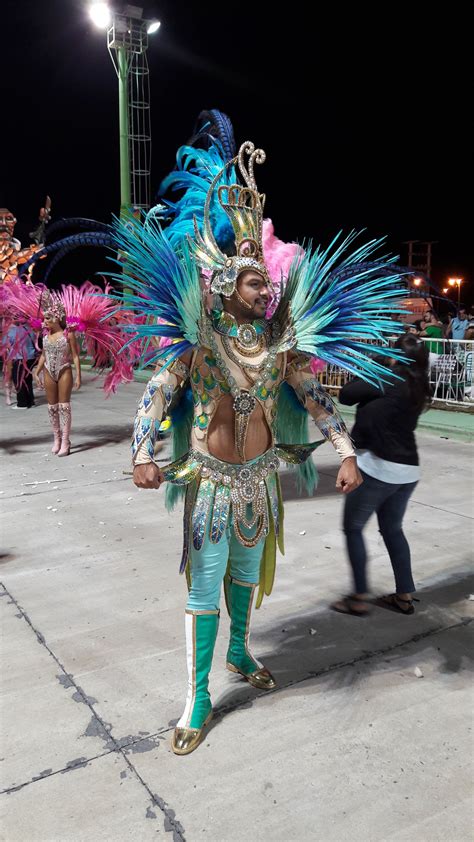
194	463
246	476
245	486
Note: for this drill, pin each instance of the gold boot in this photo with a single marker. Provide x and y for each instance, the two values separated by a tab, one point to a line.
185	740
201	633
239	658
262	678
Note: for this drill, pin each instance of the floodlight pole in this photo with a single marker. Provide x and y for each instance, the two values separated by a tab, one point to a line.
127	42
122	74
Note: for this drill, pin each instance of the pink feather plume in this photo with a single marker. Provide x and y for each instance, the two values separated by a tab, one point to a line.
278	257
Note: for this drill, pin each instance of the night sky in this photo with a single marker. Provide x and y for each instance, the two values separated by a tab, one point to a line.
363	115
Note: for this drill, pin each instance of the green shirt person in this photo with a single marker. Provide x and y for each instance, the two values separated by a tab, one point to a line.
433	329
437	332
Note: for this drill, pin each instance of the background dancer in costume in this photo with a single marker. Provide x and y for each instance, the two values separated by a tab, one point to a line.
244	387
89	312
59	351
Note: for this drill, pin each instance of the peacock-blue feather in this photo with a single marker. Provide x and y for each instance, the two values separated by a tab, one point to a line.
335	301
160	284
194	172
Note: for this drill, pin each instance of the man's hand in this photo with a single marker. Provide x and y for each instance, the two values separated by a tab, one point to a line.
349	477
147	476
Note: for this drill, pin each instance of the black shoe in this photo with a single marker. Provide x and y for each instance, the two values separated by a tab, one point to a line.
346	604
394	603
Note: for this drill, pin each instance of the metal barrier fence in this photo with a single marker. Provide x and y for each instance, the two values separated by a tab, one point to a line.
451	372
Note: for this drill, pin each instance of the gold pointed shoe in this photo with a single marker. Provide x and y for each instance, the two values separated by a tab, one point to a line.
262	678
186	740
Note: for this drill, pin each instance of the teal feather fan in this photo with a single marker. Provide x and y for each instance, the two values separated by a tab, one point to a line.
182	421
159	284
333	302
291	427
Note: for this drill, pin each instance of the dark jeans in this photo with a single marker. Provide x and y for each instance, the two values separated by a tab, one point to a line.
390	502
23	381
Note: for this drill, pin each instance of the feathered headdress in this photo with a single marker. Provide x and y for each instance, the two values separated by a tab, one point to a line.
243	205
195	172
51	305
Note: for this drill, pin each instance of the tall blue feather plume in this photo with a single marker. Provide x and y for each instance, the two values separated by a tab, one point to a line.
212	125
194	172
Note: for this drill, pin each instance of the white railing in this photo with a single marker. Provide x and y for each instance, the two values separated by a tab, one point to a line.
451	372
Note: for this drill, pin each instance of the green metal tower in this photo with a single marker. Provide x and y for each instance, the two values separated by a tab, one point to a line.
127	42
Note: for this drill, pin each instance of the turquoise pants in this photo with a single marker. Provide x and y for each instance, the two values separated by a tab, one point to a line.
209	564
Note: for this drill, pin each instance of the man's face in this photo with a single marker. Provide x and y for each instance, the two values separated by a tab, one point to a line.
253	288
7	225
462	315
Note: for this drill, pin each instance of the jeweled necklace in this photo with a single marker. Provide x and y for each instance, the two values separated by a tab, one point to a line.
249	335
227	343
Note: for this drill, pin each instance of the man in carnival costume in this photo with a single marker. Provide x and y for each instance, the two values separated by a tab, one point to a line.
239	388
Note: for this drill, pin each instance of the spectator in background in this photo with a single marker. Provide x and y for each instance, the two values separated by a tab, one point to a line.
468	361
23	359
470	325
446	322
8	382
459	324
387	456
396	317
415	328
432	329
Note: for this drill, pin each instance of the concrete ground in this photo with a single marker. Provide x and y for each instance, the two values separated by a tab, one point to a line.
368	736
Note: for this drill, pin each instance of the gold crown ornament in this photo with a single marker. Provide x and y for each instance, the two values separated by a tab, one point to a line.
243	204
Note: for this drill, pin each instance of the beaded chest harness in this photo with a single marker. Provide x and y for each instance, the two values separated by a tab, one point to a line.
250	340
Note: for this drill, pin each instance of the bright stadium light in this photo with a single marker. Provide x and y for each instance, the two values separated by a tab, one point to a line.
100	15
153	26
456	282
127	42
